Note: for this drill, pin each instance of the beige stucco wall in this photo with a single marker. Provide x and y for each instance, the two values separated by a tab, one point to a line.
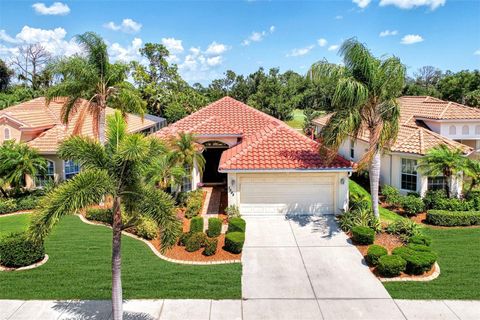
15	133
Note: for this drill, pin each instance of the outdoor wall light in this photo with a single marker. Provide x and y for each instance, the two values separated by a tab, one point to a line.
232	182
342	181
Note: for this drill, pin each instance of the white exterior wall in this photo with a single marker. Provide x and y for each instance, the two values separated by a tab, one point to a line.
466	130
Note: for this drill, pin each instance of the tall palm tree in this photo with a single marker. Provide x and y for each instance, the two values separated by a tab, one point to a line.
190	155
91	83
364	100
443	161
165	171
115	169
17	160
472	170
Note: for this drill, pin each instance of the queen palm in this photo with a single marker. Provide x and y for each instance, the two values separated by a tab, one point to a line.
364	101
472	170
165	171
114	170
189	153
91	83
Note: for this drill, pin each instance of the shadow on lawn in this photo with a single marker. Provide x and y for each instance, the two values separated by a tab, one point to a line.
93	310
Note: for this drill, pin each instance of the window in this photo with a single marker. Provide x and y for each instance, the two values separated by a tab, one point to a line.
477	129
409	174
452	130
187	180
465	129
71	169
42	180
436	183
352	148
6	134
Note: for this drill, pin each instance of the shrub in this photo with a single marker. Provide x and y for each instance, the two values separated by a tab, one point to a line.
234	242
195	241
196	224
453	218
413	194
16	250
26	203
391	194
412	205
210	247
7	205
363	235
404	227
194	203
236	225
420	239
454	204
99	214
433	196
417	261
419	247
232	211
391	266
214	227
354	218
147	228
374	253
182	240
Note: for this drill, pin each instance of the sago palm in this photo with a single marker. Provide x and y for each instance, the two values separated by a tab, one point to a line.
91	83
114	170
365	99
443	161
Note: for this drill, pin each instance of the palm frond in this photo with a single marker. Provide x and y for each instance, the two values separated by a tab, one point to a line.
96	51
116	131
87	152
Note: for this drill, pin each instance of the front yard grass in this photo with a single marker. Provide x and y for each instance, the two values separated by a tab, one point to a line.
297	120
79	268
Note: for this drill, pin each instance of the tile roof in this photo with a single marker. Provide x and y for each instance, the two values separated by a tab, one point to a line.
266	142
413	138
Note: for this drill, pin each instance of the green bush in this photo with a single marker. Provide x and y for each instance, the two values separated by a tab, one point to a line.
99	214
374	253
196	224
210	247
7	206
433	196
354	218
404	227
236	225
419	247
413	194
417	261
147	228
420	239
391	194
232	211
195	241
16	251
27	203
454	204
391	266
412	205
214	227
453	218
182	240
234	242
363	235
194	203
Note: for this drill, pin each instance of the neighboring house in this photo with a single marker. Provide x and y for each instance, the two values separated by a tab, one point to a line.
425	122
40	126
267	167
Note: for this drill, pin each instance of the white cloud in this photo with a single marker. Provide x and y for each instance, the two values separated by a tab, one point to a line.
322	42
388	33
128	53
362	3
339	17
298	52
477	53
409	4
333	47
411	39
4	36
215	49
173	45
199	65
258	36
57	8
214	61
128	26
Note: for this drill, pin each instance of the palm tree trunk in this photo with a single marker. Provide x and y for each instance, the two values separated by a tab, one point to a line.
374	174
117	312
101	126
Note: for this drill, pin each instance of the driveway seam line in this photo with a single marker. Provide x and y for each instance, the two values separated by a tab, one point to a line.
448	307
161	309
210	310
11	315
401	311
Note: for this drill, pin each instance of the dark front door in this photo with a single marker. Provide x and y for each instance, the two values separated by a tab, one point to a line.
212	159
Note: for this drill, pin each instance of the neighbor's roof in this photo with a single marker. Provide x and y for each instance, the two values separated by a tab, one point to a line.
414	138
266	143
37	115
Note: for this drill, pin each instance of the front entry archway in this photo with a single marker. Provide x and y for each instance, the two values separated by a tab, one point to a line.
212	154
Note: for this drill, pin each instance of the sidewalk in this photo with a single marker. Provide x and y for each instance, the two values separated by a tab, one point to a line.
275	309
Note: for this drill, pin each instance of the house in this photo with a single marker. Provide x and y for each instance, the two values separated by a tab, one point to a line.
265	166
425	122
40	126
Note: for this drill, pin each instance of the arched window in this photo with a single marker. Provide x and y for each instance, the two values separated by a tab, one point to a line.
465	129
42	180
477	129
6	134
452	130
71	169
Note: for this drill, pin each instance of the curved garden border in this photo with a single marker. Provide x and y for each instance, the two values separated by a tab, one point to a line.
32	266
434	275
156	252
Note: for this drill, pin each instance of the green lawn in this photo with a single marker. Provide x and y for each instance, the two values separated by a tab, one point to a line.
298	119
79	268
459	259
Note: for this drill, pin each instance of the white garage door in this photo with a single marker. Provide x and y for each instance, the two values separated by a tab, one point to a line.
285	194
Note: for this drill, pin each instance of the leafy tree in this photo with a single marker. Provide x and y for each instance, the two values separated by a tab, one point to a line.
117	170
5	75
461	87
17	94
91	83
17	160
310	115
365	98
443	161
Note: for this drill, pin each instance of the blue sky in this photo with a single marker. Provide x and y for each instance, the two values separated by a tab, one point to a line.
207	38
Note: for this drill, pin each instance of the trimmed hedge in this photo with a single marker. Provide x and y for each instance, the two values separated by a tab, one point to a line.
412	204
182	240
453	218
195	241
419	247
8	205
363	235
234	242
214	227
374	253
18	204
196	224
420	239
391	266
418	262
236	225
99	214
391	194
210	247
16	251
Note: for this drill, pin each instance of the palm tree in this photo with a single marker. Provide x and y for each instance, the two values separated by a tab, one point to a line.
17	160
90	84
165	171
472	170
443	161
190	154
365	99
114	170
